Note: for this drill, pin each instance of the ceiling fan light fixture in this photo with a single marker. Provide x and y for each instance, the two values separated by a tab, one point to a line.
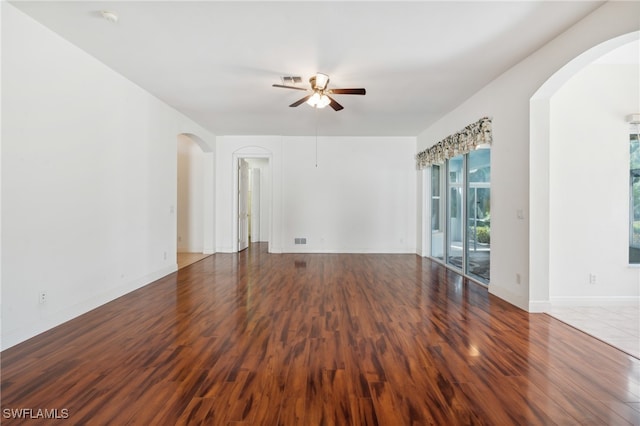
320	81
324	101
318	101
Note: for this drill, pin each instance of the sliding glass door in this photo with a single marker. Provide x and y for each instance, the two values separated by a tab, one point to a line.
455	217
634	199
437	208
465	201
478	241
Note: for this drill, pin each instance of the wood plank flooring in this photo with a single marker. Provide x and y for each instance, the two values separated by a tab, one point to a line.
186	259
318	339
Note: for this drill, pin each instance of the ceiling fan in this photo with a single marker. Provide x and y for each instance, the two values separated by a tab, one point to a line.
320	97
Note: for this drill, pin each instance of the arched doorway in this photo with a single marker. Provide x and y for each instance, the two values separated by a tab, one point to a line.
579	186
195	213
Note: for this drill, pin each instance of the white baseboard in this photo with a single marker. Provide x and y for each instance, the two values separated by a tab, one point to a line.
595	301
505	294
306	250
539	306
301	249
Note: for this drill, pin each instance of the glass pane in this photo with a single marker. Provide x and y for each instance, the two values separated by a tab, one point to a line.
634	181
479	214
435	198
479	165
435	214
435	180
454	208
437	234
634	150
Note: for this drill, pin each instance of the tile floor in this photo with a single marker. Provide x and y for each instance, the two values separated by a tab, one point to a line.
618	326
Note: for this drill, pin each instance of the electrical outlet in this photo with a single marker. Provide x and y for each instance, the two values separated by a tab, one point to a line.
42	297
518	279
592	279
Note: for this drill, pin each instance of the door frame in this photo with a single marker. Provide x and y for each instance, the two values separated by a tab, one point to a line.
445	191
249	153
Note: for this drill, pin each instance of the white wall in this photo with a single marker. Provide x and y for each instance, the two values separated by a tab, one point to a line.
360	198
506	100
190	198
589	185
88	181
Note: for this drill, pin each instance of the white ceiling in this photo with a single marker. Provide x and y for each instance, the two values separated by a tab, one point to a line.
216	61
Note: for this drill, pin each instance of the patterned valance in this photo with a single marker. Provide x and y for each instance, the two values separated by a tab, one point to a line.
464	141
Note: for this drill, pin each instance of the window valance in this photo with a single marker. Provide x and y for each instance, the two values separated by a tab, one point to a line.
464	141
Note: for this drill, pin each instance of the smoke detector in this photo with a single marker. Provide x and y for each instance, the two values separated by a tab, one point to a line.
109	16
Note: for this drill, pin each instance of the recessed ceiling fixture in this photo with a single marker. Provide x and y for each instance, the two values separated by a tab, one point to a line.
320	97
109	16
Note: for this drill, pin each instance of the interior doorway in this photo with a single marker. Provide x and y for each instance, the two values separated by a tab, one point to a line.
252	214
194	196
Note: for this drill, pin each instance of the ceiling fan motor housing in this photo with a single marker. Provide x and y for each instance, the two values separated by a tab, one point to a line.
319	81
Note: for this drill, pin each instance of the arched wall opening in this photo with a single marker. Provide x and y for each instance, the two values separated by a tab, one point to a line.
195	196
577	184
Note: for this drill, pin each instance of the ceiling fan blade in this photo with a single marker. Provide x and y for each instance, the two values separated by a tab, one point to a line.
289	87
348	91
336	106
300	102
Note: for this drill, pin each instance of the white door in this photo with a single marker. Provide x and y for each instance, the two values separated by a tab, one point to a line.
255	206
243	208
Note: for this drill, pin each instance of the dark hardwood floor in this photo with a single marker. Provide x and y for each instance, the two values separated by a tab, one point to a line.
295	339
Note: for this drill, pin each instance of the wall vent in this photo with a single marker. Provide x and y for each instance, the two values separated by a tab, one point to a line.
300	240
